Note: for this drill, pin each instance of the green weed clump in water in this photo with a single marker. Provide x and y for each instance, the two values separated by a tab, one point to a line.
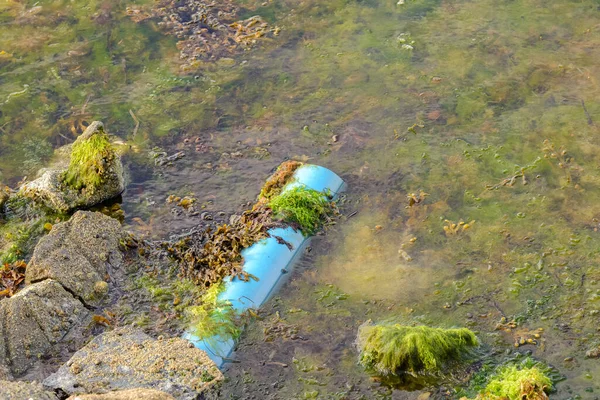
89	160
213	317
515	384
23	222
394	349
302	206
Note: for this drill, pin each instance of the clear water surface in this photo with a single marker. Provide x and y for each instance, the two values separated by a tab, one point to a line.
490	108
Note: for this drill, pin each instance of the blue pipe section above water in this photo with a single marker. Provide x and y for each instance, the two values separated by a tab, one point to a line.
268	260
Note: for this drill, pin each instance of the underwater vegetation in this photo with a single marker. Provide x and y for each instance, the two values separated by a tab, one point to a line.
206	30
23	223
304	207
484	85
394	349
519	377
213	317
11	276
513	383
90	159
207	257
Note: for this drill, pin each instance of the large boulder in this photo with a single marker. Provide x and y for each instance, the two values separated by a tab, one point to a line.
126	358
67	186
32	321
79	253
24	391
130	394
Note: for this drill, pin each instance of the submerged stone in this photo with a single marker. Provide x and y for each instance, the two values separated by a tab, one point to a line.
79	253
593	353
93	175
32	321
127	358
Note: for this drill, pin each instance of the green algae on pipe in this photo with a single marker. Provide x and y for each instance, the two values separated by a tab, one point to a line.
267	260
307	208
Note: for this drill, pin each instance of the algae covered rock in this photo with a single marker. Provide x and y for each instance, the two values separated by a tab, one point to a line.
126	359
94	174
33	320
131	394
24	390
79	253
394	349
515	383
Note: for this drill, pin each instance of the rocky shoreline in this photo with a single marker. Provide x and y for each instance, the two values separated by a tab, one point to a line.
75	273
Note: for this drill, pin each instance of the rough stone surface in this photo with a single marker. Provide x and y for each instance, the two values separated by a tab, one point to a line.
32	321
131	394
128	358
50	190
24	391
79	253
4	372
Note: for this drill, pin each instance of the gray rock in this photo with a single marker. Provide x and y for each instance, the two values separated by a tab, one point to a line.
4	371
127	358
131	394
78	253
33	320
50	189
24	391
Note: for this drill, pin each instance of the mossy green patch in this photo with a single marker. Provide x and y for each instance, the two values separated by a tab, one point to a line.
519	375
515	384
213	316
154	287
304	207
23	224
89	161
390	349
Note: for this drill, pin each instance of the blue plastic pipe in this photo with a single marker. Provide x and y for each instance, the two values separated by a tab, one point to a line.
268	260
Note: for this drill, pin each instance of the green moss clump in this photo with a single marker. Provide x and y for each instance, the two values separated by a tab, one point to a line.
305	207
22	224
392	349
153	286
513	383
213	316
89	161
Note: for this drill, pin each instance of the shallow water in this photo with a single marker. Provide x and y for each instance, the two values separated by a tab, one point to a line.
489	107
